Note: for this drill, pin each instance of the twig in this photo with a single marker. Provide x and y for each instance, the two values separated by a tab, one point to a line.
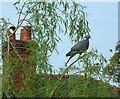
21	12
15	51
20	22
8	46
19	25
64	73
7	22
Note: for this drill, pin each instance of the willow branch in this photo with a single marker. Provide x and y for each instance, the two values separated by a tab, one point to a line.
7	22
19	25
8	45
64	74
21	12
15	51
20	22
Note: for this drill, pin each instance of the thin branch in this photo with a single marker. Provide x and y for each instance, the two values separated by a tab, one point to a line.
19	25
15	51
20	22
64	73
7	22
21	12
8	45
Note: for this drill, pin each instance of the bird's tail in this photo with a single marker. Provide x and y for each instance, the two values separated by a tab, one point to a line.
68	54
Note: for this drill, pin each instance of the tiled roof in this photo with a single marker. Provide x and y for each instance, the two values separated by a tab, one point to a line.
116	89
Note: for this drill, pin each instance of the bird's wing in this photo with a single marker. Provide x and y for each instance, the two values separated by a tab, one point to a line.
82	45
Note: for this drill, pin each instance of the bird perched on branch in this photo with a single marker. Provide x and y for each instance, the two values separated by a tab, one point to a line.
12	37
79	48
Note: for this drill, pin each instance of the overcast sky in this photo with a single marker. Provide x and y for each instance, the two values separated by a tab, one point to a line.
103	22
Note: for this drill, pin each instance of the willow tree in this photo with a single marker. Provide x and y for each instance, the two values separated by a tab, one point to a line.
48	20
113	67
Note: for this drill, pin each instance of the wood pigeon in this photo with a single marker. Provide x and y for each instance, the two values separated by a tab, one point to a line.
79	48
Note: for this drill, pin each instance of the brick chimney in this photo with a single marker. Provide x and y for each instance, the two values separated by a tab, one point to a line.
21	58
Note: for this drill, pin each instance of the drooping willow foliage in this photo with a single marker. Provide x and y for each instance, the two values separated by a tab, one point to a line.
48	20
113	67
